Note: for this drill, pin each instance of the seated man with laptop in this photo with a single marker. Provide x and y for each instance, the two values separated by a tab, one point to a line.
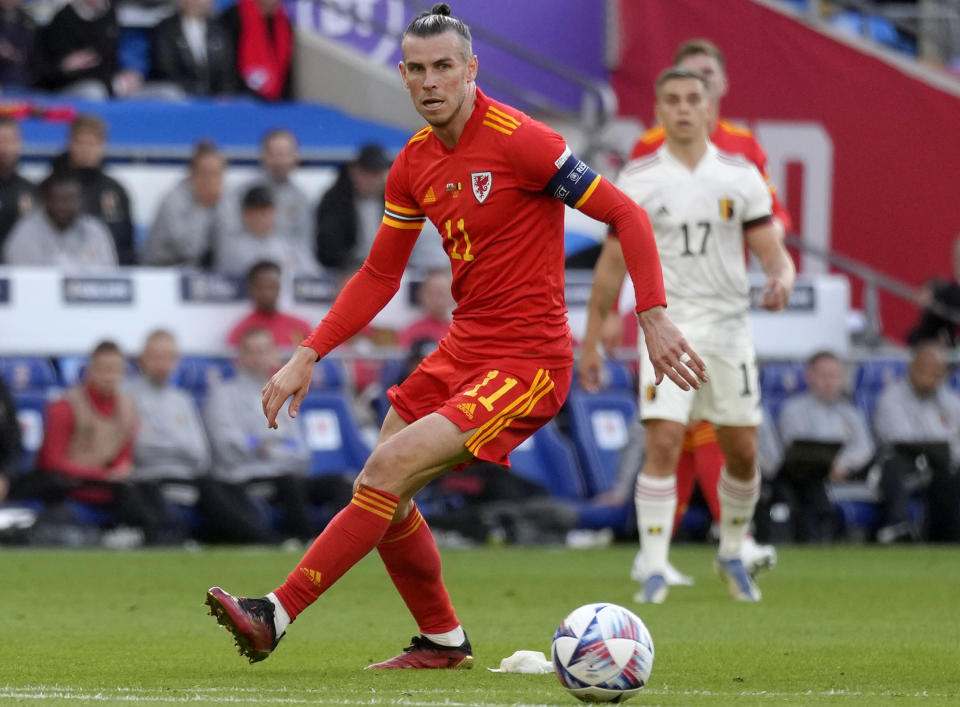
826	440
917	423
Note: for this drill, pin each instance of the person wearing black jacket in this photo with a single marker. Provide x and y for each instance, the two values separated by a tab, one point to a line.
10	446
933	325
194	51
348	213
78	52
17	195
17	33
103	196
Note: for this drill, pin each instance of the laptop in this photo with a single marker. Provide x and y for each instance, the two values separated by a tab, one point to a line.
809	459
936	453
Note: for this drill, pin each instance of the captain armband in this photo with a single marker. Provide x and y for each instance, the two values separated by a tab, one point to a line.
574	181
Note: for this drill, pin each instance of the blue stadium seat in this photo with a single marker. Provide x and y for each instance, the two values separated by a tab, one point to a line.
195	373
329	374
546	458
28	372
31	406
616	376
871	376
599	425
332	434
955	379
778	381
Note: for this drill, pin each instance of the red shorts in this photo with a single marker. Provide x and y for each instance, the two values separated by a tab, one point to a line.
503	401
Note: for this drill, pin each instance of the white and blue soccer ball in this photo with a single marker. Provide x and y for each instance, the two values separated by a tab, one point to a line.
602	653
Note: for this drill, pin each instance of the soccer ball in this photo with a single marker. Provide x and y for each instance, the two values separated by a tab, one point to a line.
602	653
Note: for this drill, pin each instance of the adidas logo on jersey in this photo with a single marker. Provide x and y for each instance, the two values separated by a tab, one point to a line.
467	409
313	575
429	197
662	211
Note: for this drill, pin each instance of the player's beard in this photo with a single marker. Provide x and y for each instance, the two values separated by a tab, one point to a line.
439	123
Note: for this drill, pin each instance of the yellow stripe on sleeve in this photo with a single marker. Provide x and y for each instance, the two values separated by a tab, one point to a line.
410	225
402	209
498	128
586	195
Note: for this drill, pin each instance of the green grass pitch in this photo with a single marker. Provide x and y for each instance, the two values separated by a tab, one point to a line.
837	626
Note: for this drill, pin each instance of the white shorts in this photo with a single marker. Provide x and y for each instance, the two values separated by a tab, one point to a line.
731	397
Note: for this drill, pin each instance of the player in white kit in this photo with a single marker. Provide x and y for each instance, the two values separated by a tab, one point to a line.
705	207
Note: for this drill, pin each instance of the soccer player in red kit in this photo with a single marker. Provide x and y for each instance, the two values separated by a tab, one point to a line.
494	182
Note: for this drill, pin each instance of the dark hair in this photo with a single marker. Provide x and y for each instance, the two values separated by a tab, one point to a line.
7	122
202	149
56	178
89	122
257	197
693	47
261	266
106	347
437	21
672	72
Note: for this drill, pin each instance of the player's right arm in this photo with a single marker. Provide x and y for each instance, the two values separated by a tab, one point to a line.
367	292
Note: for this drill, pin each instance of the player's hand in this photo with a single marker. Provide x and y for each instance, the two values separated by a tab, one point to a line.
293	379
611	332
775	295
669	351
590	368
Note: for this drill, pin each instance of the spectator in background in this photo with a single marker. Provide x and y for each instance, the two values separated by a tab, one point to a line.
436	307
183	232
77	53
193	50
59	234
261	34
263	289
173	452
17	195
919	409
258	239
279	157
349	213
103	196
10	443
17	33
87	450
933	325
822	414
246	453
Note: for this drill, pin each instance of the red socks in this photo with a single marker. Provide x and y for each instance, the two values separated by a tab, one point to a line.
351	534
413	562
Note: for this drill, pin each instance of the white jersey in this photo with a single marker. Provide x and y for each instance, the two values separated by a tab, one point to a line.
698	220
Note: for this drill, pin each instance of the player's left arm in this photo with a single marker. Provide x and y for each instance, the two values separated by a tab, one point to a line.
781	217
765	242
764	239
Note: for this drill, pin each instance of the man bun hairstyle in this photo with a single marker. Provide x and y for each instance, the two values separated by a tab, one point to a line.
437	21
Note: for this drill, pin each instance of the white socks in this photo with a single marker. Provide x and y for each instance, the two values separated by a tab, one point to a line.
738	499
452	638
281	619
656	501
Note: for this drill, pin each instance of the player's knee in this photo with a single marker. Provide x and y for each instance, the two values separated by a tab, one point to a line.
741	458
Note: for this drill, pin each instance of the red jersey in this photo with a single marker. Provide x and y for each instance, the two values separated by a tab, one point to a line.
729	138
497	197
287	330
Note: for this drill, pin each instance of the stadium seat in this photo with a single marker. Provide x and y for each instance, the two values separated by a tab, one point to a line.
332	434
195	373
616	376
329	374
28	372
871	376
546	458
955	379
778	381
31	406
599	425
